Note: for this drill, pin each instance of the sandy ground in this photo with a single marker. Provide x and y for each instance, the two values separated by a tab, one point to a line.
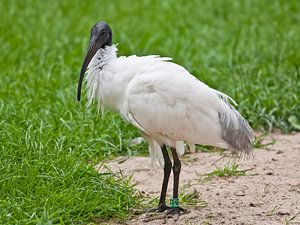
269	193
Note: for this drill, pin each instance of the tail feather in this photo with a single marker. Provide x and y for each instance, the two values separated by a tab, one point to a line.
236	131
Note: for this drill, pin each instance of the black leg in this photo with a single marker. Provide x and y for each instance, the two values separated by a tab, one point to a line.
176	172
167	170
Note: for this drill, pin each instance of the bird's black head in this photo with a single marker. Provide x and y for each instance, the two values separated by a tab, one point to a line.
101	36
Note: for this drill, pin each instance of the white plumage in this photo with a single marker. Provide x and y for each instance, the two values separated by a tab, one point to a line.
165	102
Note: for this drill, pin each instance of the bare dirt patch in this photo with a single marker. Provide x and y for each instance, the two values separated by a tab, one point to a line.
269	193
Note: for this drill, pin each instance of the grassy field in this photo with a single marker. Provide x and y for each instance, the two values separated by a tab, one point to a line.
49	142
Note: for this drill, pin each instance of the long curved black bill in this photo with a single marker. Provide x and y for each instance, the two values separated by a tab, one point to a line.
90	54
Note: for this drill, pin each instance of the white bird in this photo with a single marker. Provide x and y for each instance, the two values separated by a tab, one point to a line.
165	102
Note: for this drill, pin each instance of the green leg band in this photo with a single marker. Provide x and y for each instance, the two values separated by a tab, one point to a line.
174	202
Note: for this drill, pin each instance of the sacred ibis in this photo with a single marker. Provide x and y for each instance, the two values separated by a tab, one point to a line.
164	101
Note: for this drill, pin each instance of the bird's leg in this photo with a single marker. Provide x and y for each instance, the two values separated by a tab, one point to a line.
176	171
167	170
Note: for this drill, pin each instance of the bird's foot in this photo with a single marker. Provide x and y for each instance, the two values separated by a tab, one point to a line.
160	208
176	210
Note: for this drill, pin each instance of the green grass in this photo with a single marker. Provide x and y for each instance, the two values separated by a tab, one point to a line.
192	199
49	142
291	219
230	170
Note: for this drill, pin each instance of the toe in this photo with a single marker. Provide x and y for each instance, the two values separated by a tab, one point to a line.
160	208
177	210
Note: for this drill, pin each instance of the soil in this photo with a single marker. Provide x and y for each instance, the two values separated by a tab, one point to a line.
268	192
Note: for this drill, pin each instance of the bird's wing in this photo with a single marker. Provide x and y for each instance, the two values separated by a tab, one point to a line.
170	105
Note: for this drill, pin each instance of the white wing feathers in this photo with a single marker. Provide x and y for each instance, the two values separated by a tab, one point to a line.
171	106
225	97
168	104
